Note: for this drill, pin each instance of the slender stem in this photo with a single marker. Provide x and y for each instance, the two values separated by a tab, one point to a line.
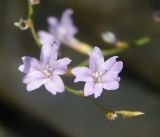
96	104
80	46
31	25
74	91
83	63
80	93
30	10
34	34
145	40
114	51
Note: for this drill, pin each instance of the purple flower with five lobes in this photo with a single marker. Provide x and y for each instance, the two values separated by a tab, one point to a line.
100	74
46	71
62	31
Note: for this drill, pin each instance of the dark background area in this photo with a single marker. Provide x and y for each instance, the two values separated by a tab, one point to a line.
41	114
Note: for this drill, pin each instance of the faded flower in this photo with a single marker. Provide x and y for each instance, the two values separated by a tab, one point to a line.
34	2
100	74
111	115
46	71
62	31
22	24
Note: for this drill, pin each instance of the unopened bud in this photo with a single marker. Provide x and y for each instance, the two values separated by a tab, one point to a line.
109	37
22	24
126	113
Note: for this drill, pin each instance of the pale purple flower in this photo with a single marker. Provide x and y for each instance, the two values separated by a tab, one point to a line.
46	71
62	30
100	74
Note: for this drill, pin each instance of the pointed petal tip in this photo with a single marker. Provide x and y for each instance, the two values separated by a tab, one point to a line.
68	60
96	48
69	11
20	68
96	96
23	58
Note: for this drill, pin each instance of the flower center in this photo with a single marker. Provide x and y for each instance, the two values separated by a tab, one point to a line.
47	72
96	77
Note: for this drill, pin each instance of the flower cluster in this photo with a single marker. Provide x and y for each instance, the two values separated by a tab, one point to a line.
99	75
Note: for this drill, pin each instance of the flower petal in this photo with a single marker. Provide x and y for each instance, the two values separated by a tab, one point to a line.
88	89
45	53
49	53
82	74
110	62
30	64
32	76
35	84
109	76
113	85
53	53
66	22
96	60
60	66
53	24
97	89
117	67
45	37
55	85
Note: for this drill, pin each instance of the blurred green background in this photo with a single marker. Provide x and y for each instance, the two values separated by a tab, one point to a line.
40	114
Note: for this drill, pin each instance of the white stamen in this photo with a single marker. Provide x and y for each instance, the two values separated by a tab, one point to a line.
47	72
96	77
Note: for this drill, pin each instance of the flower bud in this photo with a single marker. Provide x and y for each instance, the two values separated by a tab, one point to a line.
109	37
126	113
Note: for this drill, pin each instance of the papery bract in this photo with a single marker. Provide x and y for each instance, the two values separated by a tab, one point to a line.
100	74
46	71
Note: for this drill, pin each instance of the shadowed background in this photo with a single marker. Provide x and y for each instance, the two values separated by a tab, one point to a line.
41	114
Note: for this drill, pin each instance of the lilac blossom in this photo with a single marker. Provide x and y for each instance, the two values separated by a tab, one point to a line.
100	74
46	71
62	31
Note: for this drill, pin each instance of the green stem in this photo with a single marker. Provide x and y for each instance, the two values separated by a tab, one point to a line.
30	10
31	25
34	34
141	42
145	40
74	91
96	104
80	93
83	63
110	52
